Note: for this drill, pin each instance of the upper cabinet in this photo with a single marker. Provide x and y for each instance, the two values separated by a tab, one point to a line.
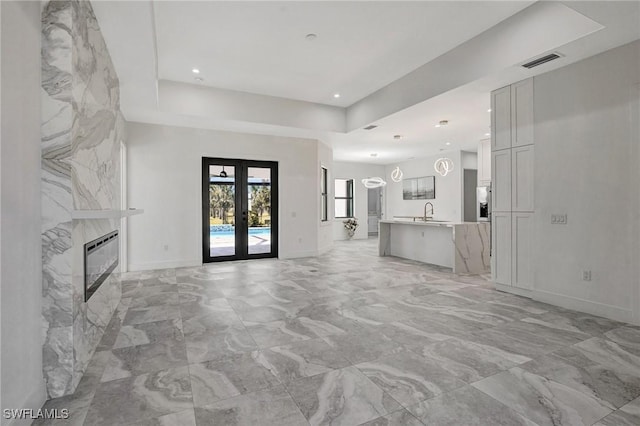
522	113
501	118
484	162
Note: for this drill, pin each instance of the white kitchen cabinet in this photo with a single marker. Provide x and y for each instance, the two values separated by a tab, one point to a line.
501	118
484	162
521	239
522	113
501	247
522	179
501	180
512	179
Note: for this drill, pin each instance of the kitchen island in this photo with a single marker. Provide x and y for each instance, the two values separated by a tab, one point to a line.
461	246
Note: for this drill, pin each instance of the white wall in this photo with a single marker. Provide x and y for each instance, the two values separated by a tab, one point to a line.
469	160
22	383
448	202
586	165
222	104
164	172
357	172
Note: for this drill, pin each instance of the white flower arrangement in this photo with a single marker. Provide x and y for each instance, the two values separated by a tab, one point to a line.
351	224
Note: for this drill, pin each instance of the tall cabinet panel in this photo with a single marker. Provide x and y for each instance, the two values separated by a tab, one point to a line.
501	119
522	113
522	179
521	236
501	247
501	179
512	173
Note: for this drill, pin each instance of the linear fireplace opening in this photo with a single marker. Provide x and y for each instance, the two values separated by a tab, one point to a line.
100	259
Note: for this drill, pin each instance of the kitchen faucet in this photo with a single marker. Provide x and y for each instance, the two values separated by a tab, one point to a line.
425	210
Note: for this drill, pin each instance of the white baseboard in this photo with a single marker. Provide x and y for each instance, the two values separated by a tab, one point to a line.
568	302
298	254
595	308
168	264
165	264
323	250
514	290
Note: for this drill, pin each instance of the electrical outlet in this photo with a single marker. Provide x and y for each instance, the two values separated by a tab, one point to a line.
586	275
559	219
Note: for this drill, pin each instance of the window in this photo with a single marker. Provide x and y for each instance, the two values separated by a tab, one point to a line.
323	194
344	198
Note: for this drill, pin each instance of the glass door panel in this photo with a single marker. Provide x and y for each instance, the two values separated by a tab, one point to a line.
222	210
239	209
259	208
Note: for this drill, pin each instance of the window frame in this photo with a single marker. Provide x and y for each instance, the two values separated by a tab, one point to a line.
349	197
324	194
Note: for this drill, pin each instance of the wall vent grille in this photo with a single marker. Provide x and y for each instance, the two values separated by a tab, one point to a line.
542	60
370	127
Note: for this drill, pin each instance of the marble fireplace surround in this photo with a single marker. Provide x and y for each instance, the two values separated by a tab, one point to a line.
82	128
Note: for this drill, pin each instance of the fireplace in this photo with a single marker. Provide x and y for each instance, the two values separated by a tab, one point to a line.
100	259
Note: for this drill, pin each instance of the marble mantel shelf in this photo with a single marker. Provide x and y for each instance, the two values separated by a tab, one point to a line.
104	214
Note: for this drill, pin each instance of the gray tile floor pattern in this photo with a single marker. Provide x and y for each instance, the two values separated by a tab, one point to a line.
350	338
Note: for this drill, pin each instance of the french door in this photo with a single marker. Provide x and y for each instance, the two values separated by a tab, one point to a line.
239	209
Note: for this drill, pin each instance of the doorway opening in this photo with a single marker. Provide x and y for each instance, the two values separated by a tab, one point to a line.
470	183
374	208
239	209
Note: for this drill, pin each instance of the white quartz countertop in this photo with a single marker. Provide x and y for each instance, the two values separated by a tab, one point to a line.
418	222
428	223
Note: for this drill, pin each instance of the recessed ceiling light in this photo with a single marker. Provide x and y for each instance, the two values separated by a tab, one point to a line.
397	137
336	95
195	71
311	36
373	154
489	110
437	125
487	134
448	143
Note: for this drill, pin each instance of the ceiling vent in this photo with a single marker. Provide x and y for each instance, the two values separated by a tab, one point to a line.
542	60
370	127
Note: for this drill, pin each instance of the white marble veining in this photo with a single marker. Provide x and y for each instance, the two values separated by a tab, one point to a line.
462	246
81	132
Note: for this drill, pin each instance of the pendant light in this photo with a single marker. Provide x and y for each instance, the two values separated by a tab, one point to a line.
443	166
373	182
396	174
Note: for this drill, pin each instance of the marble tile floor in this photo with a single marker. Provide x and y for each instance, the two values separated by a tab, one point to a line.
350	338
